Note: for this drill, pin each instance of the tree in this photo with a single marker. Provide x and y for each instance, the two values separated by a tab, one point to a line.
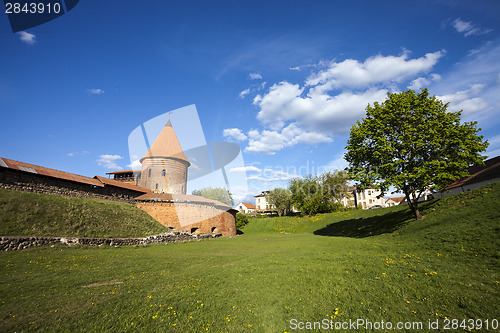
336	184
310	196
411	142
220	194
280	199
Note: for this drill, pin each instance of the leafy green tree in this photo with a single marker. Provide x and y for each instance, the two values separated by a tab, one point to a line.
336	184
280	198
411	142
309	195
220	194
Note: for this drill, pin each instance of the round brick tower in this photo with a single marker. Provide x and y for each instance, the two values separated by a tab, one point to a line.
164	167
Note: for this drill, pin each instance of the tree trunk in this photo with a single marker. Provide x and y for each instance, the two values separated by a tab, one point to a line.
413	206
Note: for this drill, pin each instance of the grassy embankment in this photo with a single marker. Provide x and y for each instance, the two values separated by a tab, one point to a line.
375	264
33	214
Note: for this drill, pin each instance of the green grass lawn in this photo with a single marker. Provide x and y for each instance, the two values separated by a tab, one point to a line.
375	264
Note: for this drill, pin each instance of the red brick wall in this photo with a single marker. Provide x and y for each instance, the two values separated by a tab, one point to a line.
209	219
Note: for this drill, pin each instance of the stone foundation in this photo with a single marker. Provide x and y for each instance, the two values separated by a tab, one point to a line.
11	243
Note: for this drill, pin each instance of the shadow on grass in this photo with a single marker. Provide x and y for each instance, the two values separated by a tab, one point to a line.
374	225
366	227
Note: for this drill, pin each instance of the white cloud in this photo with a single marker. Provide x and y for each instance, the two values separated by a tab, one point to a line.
255	76
82	153
423	82
94	91
272	175
27	37
135	165
337	164
473	85
332	99
109	161
323	113
244	93
494	147
351	73
245	169
467	28
269	141
234	134
466	100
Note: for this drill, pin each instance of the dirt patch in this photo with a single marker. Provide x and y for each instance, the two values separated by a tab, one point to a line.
108	283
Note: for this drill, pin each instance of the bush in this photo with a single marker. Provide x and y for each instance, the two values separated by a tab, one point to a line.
241	221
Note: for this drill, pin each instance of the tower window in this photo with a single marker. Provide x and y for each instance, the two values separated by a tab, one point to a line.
149	173
156	185
163	173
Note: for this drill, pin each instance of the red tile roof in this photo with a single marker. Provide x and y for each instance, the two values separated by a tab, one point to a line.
248	205
479	173
112	182
36	169
396	199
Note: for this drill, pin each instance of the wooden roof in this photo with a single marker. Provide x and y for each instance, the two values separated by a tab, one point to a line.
166	145
112	182
122	171
39	170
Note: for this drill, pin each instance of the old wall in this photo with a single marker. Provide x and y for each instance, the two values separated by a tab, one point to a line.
211	219
25	181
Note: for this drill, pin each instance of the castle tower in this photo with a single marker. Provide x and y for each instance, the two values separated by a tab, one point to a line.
164	167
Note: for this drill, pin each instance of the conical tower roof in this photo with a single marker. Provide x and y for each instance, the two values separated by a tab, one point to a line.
166	145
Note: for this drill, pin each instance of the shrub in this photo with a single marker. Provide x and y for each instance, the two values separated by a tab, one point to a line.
241	221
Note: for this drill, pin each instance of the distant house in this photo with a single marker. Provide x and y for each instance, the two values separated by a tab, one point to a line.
261	203
394	201
364	198
367	198
479	175
427	194
245	208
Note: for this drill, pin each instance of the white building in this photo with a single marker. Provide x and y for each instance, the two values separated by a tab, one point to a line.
367	197
245	208
261	203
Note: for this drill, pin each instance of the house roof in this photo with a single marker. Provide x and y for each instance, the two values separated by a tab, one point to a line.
479	173
169	197
112	182
396	199
36	169
262	194
248	205
166	145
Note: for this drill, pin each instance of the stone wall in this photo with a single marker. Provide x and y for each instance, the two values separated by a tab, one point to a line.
25	181
175	215
11	243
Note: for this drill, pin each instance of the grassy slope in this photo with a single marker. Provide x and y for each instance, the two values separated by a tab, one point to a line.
32	214
376	264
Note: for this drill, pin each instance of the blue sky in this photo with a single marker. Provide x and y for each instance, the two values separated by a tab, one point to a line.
285	80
